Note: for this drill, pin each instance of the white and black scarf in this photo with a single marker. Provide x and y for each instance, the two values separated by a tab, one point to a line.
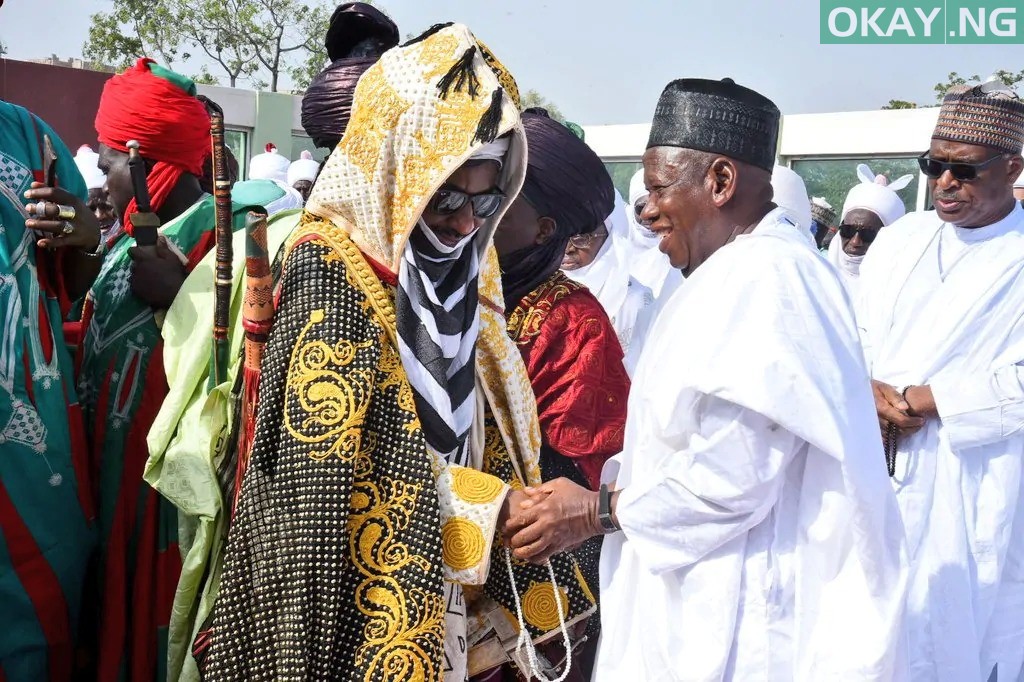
438	323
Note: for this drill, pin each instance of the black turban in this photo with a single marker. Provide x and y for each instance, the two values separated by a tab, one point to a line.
720	117
566	181
358	35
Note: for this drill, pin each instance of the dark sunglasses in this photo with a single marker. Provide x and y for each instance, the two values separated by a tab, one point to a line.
964	172
638	208
448	201
867	234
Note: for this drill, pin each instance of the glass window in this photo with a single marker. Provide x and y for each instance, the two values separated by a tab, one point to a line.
622	172
301	143
238	142
834	178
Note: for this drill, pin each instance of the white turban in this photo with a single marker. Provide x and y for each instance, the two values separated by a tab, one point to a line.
876	194
269	166
88	165
304	168
493	151
791	194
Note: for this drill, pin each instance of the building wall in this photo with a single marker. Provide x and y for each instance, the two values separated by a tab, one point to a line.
67	99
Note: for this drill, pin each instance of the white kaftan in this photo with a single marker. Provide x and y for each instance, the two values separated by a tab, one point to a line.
944	306
761	537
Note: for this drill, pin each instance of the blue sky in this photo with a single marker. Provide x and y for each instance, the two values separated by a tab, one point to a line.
606	62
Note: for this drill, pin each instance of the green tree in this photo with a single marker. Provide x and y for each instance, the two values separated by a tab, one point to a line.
204	77
256	40
1009	78
900	104
3	48
532	98
132	29
280	28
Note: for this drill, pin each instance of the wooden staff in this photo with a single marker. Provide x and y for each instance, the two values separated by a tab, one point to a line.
257	317
222	283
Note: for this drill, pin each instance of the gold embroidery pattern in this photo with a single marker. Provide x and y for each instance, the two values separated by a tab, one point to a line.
474	486
333	403
583	584
405	629
525	322
462	544
539	607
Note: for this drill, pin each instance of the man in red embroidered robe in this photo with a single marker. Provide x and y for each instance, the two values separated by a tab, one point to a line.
572	355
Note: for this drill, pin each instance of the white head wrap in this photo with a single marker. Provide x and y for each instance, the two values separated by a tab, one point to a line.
291	199
493	151
791	194
269	165
876	194
608	275
304	168
88	165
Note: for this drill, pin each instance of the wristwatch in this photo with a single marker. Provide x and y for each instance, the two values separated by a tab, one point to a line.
604	510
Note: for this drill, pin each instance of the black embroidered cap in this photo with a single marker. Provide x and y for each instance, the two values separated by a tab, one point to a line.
720	117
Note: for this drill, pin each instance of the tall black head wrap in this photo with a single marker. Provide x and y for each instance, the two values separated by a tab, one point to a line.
720	117
356	38
565	181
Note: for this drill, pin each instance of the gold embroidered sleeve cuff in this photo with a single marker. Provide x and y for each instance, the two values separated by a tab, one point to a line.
470	503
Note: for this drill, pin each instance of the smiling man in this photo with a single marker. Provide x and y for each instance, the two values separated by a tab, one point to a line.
751	531
940	314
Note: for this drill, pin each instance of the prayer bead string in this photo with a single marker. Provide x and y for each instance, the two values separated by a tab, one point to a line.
524	634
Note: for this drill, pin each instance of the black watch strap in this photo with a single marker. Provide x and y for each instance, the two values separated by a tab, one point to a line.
604	510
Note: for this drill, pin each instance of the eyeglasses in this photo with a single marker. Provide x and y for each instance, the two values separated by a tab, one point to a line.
584	241
964	172
867	234
448	201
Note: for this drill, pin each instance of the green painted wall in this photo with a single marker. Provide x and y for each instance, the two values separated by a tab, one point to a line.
273	123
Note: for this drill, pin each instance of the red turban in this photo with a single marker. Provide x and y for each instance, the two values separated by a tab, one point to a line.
163	114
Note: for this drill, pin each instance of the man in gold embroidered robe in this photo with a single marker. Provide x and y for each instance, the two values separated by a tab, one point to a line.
395	421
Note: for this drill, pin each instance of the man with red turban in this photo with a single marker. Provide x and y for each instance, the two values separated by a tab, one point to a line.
122	380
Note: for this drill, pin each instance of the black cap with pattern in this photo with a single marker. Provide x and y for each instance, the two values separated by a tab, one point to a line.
720	117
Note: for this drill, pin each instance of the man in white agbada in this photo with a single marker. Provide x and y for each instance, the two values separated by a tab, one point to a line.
751	532
600	261
940	308
871	205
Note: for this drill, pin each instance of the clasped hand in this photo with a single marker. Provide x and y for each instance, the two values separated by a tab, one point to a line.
551	518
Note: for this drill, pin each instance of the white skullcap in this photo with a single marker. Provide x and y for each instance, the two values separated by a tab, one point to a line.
269	166
493	151
304	168
88	165
790	193
876	194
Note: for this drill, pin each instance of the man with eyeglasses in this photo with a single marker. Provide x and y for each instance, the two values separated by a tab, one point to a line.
940	310
871	205
573	357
